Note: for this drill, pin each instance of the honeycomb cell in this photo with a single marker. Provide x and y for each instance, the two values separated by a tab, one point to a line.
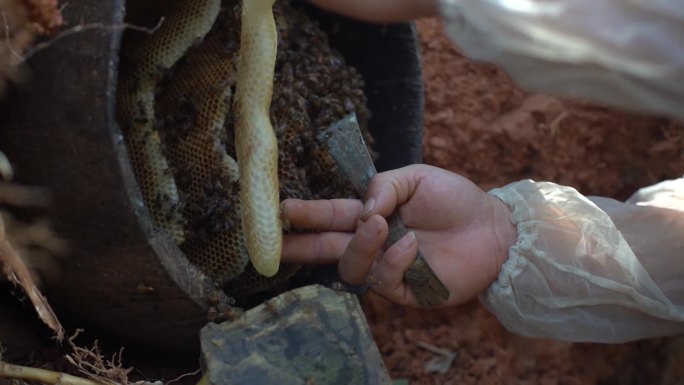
193	110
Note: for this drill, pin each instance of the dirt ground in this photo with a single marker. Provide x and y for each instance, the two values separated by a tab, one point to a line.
479	124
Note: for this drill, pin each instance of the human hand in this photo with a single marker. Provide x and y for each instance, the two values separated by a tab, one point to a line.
463	233
380	10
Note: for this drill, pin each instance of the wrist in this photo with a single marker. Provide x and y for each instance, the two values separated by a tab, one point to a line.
505	232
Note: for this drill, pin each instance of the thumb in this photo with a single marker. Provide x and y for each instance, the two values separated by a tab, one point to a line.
390	189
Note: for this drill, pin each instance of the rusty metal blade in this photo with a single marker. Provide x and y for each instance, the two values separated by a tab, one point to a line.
345	143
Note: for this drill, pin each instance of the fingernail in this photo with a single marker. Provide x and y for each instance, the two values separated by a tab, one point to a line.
406	242
282	209
370	230
283	217
367	208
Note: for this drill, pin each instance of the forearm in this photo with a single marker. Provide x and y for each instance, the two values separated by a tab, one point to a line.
572	274
619	52
656	237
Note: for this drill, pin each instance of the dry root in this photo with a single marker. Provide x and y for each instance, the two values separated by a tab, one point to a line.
21	22
93	365
26	373
96	369
18	273
39	234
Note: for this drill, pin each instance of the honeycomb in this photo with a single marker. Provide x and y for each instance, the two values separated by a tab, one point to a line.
193	116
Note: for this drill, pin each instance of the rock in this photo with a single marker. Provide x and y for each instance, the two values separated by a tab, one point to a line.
310	335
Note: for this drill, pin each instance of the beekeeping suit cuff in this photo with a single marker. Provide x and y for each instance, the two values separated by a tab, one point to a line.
621	52
573	273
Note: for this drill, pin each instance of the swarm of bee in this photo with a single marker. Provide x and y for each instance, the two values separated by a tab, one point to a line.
193	194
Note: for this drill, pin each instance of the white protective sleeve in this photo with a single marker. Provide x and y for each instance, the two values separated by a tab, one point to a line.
592	269
625	53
